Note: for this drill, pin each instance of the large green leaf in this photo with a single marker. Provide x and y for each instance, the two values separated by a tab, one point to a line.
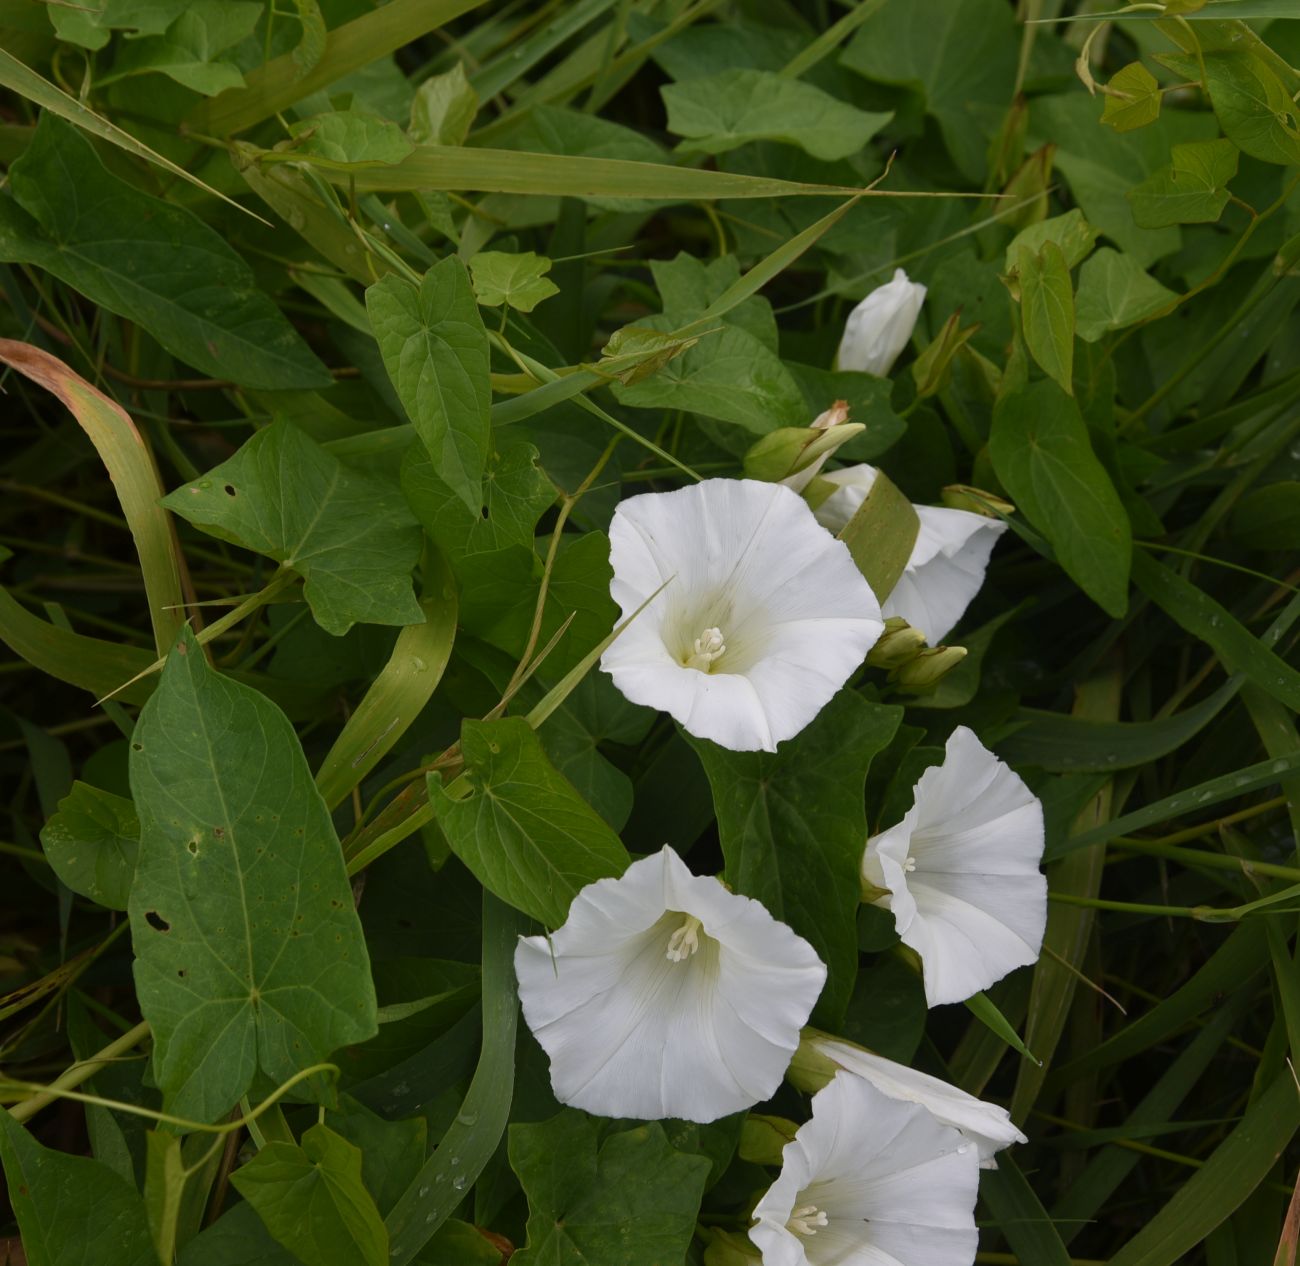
436	352
350	538
961	54
793	826
91	844
312	1200
720	112
1041	452
71	1210
633	1201
146	260
249	953
521	828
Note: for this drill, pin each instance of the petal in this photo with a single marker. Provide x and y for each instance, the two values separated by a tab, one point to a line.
945	570
884	865
630	1033
964	933
879	328
986	1124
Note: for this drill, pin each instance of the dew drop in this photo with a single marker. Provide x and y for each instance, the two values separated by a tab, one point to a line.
468	1118
424	1191
459	1182
417	664
455	1160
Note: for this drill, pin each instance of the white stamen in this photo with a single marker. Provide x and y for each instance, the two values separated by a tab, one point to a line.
806	1219
685	940
707	647
910	865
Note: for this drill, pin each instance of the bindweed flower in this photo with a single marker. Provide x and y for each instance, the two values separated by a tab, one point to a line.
878	329
870	1181
960	872
762	617
666	995
988	1126
947	564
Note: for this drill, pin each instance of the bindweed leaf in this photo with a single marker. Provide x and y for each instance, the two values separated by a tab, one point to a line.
1132	98
72	1211
518	281
436	352
632	1200
716	113
189	50
520	826
1042	454
236	974
1253	106
312	1200
1047	311
355	138
443	108
344	533
149	261
1191	190
1114	292
793	826
91	843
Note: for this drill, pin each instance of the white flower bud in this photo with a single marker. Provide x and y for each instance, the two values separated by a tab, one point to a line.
879	327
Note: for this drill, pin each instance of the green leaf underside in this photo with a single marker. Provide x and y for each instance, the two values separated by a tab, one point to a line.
249	953
632	1201
146	260
435	350
1115	292
351	540
523	830
517	280
793	826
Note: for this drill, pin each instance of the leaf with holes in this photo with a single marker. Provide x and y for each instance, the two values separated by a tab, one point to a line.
349	536
249	953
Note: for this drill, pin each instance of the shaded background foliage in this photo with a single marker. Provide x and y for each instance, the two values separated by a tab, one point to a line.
1121	366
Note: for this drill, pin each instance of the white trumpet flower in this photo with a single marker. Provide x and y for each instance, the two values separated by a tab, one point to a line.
666	995
879	328
960	872
761	619
986	1125
947	564
870	1181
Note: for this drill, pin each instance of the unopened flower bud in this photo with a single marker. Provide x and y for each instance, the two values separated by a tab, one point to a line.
898	643
924	671
792	455
879	328
725	1248
976	501
836	415
763	1138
